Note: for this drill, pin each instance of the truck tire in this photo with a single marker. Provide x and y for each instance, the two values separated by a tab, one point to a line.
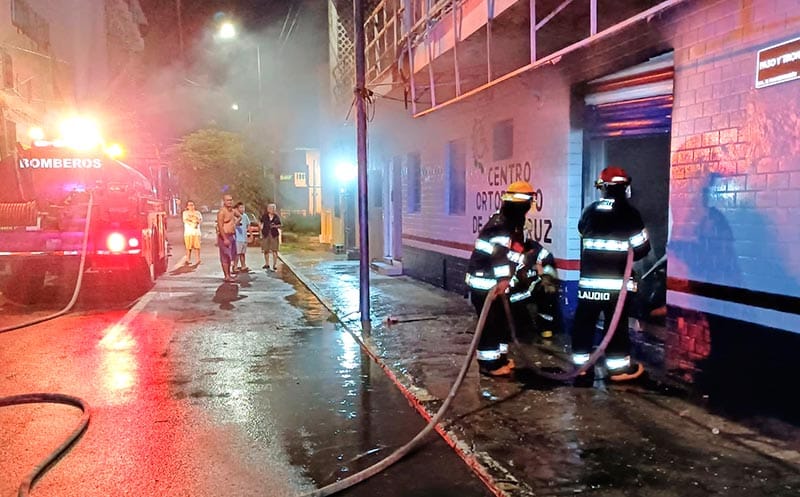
141	277
25	284
160	263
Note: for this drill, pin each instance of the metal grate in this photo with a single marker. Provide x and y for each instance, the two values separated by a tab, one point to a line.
342	51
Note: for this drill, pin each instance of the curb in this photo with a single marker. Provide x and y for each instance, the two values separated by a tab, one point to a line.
479	466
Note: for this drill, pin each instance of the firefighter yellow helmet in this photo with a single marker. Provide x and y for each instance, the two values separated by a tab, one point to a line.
519	191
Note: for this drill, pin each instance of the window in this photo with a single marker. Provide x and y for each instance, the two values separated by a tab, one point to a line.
8	70
300	180
414	179
30	23
9	141
456	171
503	139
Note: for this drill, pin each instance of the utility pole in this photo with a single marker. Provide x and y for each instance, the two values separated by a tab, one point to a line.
260	85
361	141
180	30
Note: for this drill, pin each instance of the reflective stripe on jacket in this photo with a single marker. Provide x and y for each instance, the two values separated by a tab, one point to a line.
608	228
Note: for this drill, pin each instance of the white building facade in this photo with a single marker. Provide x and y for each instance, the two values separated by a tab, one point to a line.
697	99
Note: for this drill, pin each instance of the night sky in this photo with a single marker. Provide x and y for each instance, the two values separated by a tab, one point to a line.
198	16
294	68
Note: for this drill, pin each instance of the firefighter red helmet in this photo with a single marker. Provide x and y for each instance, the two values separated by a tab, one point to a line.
519	191
612	175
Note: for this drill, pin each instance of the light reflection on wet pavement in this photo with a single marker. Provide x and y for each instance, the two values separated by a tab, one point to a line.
213	390
558	440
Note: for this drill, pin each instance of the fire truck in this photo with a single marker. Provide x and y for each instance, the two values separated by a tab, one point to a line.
53	198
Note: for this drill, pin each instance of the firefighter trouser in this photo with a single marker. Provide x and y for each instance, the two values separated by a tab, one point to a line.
548	311
584	328
493	345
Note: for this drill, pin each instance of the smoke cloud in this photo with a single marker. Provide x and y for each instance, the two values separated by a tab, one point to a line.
218	85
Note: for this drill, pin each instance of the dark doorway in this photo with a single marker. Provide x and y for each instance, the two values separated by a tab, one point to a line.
646	159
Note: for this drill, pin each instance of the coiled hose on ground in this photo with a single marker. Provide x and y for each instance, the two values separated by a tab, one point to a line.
55	398
49	398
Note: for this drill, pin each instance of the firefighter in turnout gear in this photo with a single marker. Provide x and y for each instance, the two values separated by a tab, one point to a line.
608	228
546	294
504	258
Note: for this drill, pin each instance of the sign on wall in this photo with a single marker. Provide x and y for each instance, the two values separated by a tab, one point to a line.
487	199
778	64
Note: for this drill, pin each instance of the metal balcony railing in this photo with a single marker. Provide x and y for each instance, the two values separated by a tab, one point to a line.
397	29
392	23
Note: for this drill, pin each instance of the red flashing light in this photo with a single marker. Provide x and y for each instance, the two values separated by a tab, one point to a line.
133	242
116	242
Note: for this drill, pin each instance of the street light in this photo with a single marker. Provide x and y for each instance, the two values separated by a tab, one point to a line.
346	173
227	31
235	106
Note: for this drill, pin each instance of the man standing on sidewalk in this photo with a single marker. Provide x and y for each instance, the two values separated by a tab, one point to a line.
503	258
192	219
226	236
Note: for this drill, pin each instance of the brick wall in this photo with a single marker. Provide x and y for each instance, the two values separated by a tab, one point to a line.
733	198
734	150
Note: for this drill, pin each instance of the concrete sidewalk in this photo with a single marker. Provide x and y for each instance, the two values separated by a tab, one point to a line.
534	437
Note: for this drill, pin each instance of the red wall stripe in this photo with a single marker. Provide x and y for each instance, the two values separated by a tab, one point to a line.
566	264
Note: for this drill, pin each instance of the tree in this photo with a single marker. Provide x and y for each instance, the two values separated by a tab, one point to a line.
210	162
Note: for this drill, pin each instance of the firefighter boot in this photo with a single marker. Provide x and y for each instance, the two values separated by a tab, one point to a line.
623	369
585	379
503	370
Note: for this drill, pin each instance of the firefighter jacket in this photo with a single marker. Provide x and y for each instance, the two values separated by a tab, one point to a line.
501	252
608	228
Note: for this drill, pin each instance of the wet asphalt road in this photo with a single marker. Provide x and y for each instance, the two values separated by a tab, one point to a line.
203	388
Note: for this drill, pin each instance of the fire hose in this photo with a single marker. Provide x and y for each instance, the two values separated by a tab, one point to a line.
401	452
376	468
601	348
78	283
398	454
47	462
55	398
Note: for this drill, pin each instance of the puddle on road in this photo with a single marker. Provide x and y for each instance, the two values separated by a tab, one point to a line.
302	387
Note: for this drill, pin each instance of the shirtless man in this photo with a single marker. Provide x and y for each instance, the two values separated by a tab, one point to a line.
226	229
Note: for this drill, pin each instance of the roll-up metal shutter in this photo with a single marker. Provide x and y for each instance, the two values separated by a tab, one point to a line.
635	101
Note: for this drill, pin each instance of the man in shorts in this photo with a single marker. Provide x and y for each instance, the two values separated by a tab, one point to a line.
191	231
241	239
226	236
